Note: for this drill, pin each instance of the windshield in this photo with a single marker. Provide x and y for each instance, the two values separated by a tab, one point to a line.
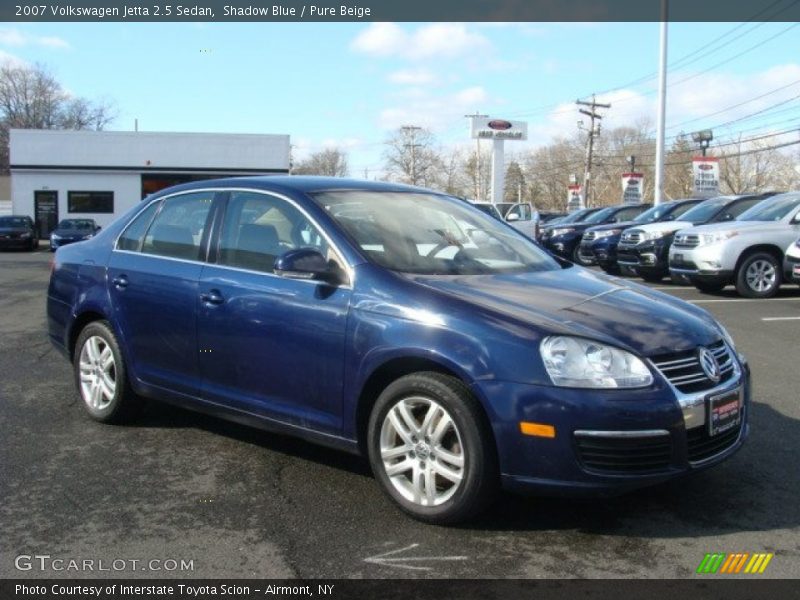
773	209
577	216
76	224
431	235
657	213
13	222
600	215
705	210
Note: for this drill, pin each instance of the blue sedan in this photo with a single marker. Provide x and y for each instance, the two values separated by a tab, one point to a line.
401	324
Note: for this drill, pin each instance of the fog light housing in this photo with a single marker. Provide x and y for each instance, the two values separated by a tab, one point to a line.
648	259
711	265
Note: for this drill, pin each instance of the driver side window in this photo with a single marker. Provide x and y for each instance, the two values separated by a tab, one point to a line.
258	228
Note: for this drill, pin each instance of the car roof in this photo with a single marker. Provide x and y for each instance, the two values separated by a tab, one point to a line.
298	183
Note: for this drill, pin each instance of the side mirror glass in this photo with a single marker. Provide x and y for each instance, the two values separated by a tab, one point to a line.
512	217
306	263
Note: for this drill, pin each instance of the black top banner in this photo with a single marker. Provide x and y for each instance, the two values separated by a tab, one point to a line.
404	10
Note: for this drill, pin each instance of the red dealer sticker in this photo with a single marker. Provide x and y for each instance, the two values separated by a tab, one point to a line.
499	124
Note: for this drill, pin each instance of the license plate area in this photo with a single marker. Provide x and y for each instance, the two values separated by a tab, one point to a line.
724	411
678	258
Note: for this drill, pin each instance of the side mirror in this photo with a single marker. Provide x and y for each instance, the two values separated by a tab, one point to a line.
512	217
796	219
305	263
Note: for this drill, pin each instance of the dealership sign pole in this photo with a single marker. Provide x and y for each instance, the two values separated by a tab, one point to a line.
705	175
632	186
498	130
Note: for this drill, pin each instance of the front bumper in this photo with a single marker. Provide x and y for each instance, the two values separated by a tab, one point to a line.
657	420
649	256
603	251
16	243
705	264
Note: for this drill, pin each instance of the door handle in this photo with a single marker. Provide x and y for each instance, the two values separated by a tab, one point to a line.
120	282
212	297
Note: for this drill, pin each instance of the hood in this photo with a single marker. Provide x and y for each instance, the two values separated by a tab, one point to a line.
741	226
576	301
609	226
662	226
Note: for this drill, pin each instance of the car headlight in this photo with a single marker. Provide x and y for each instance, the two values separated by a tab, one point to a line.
87	236
25	235
655	235
581	363
607	233
556	232
717	236
53	236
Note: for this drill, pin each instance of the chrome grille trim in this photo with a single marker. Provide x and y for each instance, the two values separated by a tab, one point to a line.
686	240
589	236
631	238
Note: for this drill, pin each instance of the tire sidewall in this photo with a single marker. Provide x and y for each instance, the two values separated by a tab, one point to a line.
741	276
102	330
473	443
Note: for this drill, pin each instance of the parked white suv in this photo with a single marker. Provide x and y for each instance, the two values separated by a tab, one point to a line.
748	252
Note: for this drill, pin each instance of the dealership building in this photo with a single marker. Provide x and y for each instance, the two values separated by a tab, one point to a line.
101	174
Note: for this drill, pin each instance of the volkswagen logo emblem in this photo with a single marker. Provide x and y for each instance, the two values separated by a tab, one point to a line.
709	365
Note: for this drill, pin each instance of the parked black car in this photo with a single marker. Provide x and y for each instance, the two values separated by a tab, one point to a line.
646	248
70	231
601	242
579	215
565	238
18	232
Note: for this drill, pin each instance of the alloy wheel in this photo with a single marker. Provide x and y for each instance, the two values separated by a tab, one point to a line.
761	275
98	374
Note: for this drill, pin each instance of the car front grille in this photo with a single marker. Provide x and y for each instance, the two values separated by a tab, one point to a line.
631	238
701	445
686	240
683	370
624	455
589	236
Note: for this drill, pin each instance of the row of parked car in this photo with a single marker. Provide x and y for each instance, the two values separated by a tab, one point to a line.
19	232
751	241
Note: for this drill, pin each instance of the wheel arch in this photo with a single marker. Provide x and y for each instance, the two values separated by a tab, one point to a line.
772	249
392	370
79	324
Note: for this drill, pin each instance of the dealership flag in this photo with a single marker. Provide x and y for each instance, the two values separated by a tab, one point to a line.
632	186
574	197
705	171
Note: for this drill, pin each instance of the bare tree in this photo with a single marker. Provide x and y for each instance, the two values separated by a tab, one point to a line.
331	162
31	98
411	156
516	185
752	167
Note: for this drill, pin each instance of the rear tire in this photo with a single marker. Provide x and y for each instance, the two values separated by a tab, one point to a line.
431	449
758	276
101	376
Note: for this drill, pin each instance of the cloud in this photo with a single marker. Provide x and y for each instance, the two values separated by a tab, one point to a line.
7	59
436	112
437	40
18	39
421	76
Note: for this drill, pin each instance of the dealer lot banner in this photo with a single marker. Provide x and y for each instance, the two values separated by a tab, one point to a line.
705	174
632	186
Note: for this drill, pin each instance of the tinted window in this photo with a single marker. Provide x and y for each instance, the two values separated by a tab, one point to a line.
14	222
680	210
90	202
523	211
131	238
601	216
178	227
705	210
258	228
80	224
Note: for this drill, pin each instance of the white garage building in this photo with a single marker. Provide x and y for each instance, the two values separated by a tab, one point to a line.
101	174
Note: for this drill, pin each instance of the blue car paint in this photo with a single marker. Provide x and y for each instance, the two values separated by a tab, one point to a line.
297	356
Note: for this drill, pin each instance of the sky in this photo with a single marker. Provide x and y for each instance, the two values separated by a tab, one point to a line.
350	85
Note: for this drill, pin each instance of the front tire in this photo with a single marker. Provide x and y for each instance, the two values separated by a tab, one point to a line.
708	287
578	259
759	276
101	376
431	449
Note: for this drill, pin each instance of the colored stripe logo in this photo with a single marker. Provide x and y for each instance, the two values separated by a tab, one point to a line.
731	564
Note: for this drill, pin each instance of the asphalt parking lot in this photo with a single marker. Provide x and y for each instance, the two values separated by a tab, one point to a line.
242	503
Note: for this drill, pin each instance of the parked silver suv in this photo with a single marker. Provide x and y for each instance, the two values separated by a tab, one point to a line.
747	252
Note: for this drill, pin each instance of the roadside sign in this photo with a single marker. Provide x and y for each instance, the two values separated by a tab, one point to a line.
632	188
705	175
574	197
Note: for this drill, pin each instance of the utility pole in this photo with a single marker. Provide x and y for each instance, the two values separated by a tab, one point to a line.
662	105
477	115
410	132
594	131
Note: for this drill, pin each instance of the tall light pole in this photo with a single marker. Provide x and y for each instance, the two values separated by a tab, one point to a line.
662	105
703	138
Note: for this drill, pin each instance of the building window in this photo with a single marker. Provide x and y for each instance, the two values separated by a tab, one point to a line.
90	202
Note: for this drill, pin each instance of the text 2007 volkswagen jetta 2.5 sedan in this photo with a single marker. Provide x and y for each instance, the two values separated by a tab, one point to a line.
402	324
